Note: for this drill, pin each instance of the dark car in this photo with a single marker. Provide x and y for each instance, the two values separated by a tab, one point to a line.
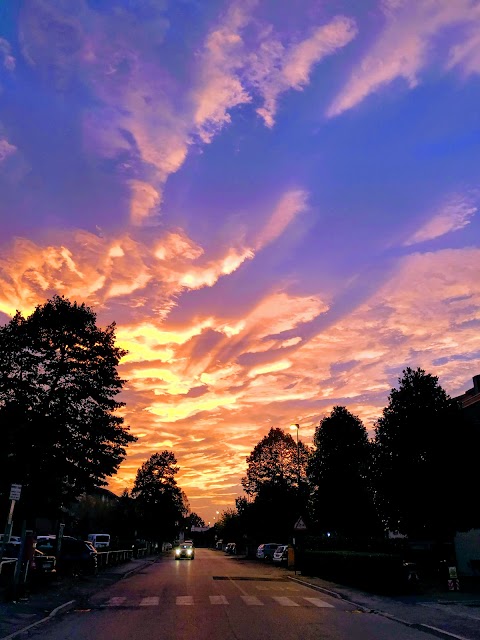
77	557
42	563
185	550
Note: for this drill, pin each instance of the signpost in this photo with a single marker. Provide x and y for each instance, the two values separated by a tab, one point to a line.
15	493
299	527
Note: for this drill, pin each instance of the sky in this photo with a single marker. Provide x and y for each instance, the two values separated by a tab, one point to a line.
276	202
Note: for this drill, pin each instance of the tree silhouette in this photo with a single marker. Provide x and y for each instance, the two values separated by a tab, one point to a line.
61	435
160	502
424	463
338	471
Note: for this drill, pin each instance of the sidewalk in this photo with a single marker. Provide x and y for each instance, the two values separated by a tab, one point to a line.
444	614
62	594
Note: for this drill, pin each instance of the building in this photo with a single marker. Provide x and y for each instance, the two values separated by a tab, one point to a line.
470	400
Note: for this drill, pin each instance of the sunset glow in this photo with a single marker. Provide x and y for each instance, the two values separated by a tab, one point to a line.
277	203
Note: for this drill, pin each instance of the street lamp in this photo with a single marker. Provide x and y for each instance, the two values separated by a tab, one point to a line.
297	427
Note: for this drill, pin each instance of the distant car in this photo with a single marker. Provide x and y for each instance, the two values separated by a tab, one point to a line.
280	555
185	550
231	548
99	540
167	546
266	551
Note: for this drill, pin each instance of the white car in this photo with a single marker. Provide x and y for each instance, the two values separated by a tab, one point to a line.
266	551
280	555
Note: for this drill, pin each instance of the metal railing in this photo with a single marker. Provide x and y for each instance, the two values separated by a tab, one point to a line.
109	558
6	561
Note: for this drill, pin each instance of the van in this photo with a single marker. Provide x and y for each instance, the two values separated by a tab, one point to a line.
99	540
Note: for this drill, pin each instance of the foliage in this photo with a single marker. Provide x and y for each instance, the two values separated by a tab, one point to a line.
339	476
159	500
61	435
276	484
424	462
274	463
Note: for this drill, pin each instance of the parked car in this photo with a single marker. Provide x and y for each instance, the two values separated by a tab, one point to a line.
43	564
99	540
266	551
185	550
231	548
40	563
76	556
14	539
47	543
280	555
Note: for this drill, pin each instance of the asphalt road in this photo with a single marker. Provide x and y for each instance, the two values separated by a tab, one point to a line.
217	597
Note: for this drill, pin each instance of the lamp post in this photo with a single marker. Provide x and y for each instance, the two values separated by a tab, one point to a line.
297	427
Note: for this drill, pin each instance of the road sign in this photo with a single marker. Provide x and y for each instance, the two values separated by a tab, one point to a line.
300	525
15	491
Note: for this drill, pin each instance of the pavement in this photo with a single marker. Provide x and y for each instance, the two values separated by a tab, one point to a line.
433	610
440	613
47	600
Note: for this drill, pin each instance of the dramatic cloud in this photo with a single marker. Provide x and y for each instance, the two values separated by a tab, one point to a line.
169	164
6	149
403	48
454	215
278	68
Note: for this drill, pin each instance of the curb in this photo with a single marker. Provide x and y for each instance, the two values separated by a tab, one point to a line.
66	606
426	628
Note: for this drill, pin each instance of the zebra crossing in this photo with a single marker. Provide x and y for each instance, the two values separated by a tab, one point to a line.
220	600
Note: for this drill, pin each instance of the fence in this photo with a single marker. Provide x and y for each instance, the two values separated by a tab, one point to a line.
109	558
8	561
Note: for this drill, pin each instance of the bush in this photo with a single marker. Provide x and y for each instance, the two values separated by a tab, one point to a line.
375	571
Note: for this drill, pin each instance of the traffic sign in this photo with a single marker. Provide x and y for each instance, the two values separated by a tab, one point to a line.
15	491
300	525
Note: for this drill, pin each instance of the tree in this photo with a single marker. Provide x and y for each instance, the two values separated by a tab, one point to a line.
272	481
273	462
339	475
161	503
424	463
61	435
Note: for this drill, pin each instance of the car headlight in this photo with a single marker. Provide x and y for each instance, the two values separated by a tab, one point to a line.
189	552
177	552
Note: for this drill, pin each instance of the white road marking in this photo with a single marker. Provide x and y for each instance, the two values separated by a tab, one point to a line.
285	602
115	602
218	600
319	603
150	601
184	600
252	601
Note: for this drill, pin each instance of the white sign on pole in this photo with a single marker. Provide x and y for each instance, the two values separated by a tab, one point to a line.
15	491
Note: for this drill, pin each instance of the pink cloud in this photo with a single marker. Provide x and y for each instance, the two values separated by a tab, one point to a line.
404	46
454	215
278	69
